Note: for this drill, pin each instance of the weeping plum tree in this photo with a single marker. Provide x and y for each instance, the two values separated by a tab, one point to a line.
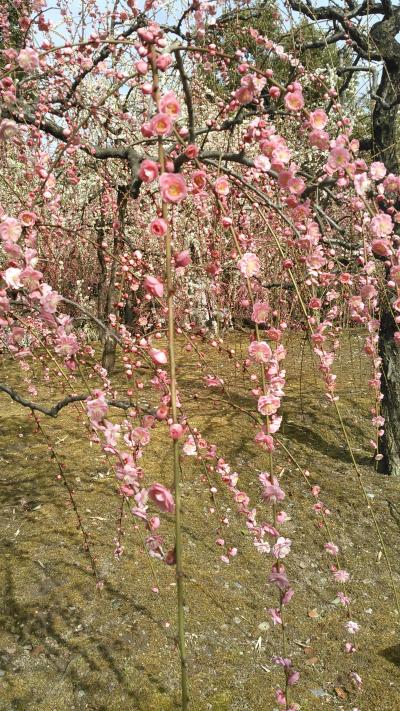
370	31
354	41
123	166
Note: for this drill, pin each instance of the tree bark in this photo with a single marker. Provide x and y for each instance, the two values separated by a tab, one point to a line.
384	148
102	282
390	387
110	345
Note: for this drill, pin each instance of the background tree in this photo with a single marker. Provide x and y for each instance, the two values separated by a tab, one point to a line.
376	53
358	45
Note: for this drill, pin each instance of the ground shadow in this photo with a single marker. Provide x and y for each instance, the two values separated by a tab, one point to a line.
392	654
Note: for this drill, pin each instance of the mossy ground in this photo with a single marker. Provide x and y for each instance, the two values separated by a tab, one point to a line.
64	645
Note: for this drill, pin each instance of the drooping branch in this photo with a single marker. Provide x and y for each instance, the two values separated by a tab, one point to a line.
97	321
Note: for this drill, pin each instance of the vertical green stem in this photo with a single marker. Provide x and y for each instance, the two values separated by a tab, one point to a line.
173	391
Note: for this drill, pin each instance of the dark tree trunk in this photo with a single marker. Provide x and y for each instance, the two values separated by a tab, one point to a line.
384	148
102	283
390	354
109	354
110	345
376	43
129	315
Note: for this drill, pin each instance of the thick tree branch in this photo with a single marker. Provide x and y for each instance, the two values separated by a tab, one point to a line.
52	129
383	35
322	43
55	409
187	94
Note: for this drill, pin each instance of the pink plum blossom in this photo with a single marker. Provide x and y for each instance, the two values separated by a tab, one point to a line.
280	697
357	681
279	578
189	448
142	67
352	627
153	286
176	431
294	100
162	497
169	105
391	183
274	92
154	523
213	381
260	312
173	187
66	344
244	95
28	59
275	615
10	229
163	62
262	163
221	185
274	334
148	171
199	179
331	548
141	498
182	259
287	596
281	154
159	227
339	157
282	547
272	492
260	351
146	129
27	218
49	299
381	247
158	356
8	129
318	119
361	183
96	407
141	435
314	303
12	277
296	185
161	125
249	265
319	139
377	170
381	225
268	404
111	432
293	678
